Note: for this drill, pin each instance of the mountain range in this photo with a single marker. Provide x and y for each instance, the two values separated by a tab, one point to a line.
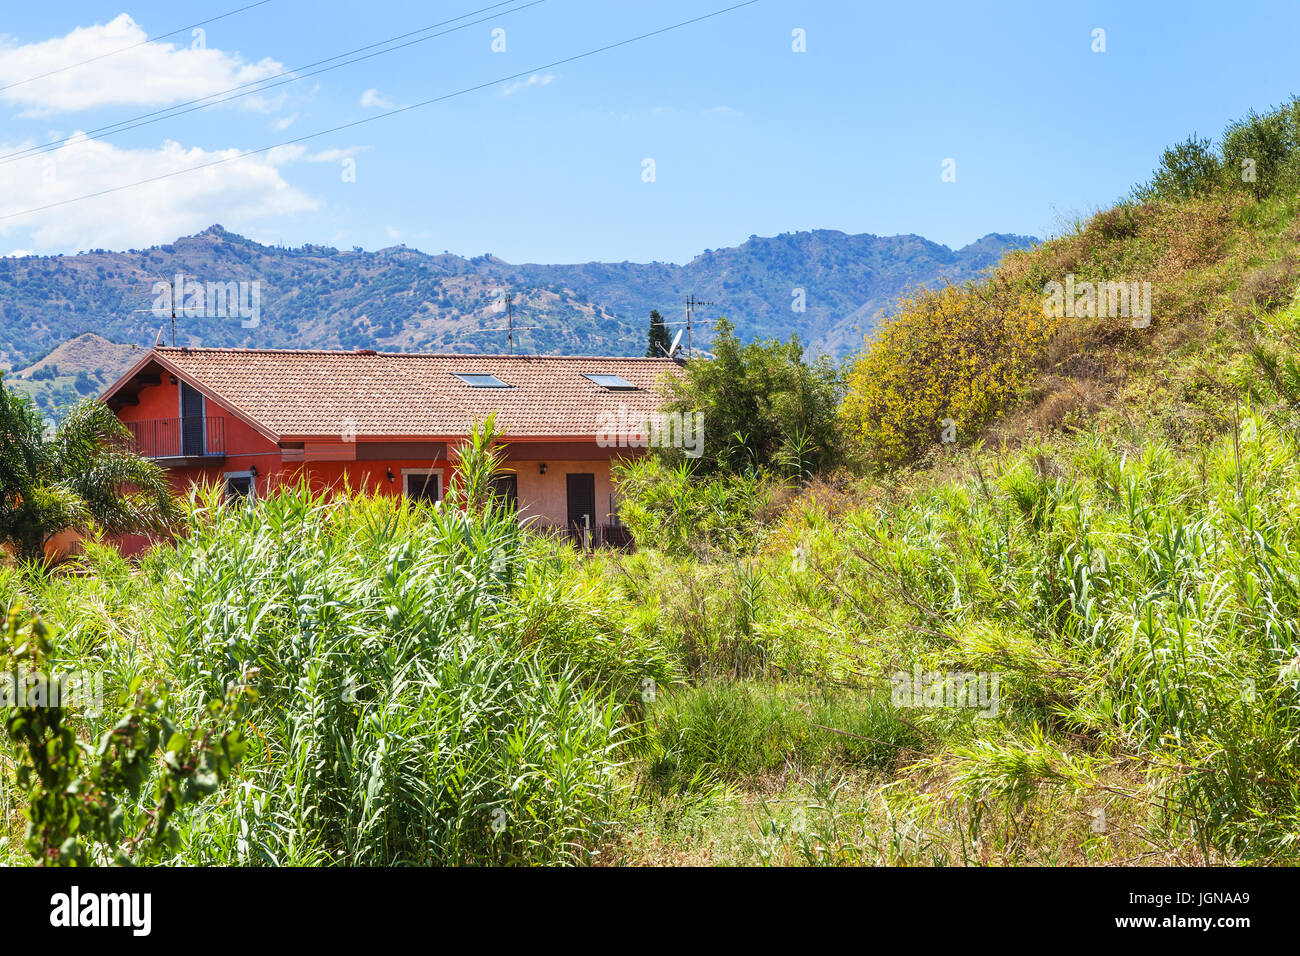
829	287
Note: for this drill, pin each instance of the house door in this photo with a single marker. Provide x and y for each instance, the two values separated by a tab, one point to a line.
192	423
582	501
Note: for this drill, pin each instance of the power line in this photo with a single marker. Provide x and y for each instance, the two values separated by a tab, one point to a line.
161	36
378	116
178	109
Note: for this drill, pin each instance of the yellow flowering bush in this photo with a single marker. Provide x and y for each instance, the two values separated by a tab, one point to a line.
947	362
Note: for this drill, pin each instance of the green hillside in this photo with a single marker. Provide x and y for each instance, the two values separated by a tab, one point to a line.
78	368
1098	510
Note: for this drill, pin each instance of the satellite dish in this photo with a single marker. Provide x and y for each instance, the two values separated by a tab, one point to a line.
677	340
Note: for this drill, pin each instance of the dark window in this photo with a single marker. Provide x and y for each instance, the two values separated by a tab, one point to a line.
421	487
239	487
582	501
191	420
505	488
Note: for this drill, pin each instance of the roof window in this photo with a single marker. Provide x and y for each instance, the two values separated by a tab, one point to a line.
480	380
615	383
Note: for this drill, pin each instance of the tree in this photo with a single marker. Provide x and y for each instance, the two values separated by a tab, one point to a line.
763	406
1188	169
1255	151
659	339
79	477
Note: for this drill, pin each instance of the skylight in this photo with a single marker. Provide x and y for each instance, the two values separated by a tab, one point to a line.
480	380
615	383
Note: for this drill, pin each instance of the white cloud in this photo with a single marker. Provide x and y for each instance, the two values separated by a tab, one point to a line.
334	154
725	110
284	122
18	254
154	74
373	99
240	191
533	80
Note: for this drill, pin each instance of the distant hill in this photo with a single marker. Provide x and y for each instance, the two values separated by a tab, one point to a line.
403	299
79	367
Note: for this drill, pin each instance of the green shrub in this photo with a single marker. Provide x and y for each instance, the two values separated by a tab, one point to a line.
1259	155
677	510
1189	169
942	367
764	407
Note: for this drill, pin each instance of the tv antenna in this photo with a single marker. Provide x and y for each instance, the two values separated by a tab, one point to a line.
692	304
509	327
172	296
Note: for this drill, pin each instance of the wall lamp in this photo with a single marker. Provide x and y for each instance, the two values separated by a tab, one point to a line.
391	476
252	470
541	469
172	379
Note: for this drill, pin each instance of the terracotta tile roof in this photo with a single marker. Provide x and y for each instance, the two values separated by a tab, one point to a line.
321	393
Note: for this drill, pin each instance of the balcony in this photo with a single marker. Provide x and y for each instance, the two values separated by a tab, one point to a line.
180	441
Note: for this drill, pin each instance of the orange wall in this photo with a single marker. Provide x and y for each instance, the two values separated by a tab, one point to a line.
544	496
367	476
245	446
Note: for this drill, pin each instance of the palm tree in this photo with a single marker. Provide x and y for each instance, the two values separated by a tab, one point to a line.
79	477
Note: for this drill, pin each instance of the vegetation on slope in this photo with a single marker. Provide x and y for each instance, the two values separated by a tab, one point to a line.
1215	235
1112	534
76	369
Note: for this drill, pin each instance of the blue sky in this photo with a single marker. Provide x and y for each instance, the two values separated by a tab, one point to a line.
747	136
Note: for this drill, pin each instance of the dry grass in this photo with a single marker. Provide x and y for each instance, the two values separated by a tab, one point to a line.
1069	405
920	819
1269	286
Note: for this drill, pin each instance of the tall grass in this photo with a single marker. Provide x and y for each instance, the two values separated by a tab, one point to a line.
402	719
1140	606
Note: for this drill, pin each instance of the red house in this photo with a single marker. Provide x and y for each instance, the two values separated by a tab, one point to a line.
250	419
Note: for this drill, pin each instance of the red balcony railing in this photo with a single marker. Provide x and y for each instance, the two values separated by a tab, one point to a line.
195	437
